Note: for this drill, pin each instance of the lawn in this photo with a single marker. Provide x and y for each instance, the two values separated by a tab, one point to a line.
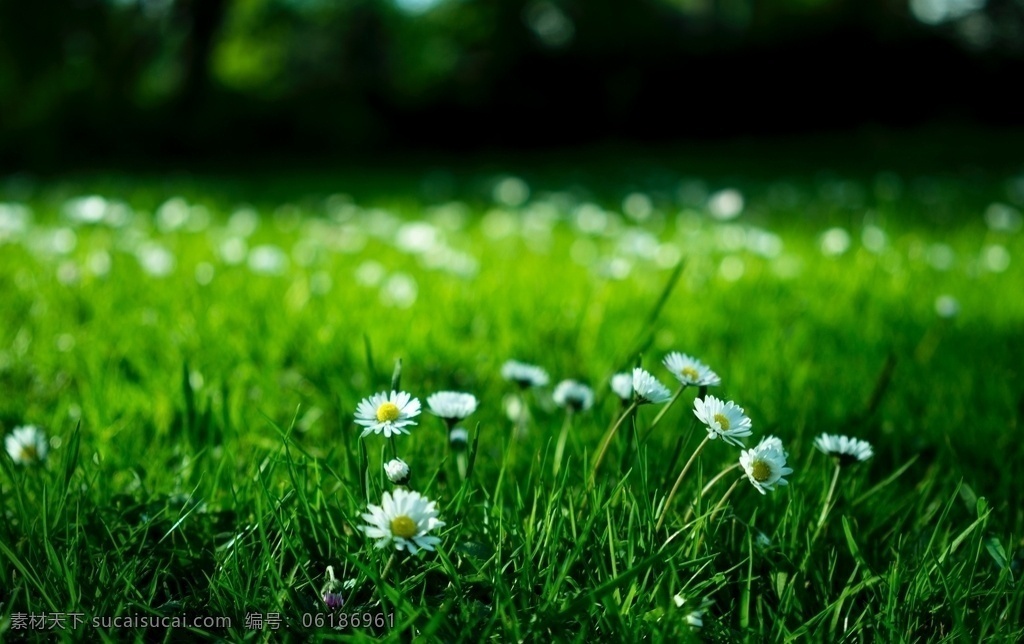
195	349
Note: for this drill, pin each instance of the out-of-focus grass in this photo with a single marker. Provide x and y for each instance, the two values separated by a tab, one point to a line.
212	346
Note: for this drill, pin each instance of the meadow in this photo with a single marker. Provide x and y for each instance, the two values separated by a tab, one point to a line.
195	349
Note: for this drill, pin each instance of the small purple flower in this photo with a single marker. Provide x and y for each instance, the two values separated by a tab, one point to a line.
331	592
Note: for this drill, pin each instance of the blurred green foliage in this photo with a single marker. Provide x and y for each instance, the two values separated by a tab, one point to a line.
94	78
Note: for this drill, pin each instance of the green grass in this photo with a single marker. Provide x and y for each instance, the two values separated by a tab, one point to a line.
204	460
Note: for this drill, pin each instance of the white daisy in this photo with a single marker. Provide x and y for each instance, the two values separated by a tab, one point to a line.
724	420
397	471
847	450
390	414
403	518
524	375
765	464
772	441
27	445
647	389
691	371
452	406
570	393
622	386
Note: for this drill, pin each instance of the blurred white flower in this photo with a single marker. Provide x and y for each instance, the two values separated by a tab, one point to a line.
647	389
726	204
399	290
452	406
1003	218
26	445
172	214
574	395
946	306
511	192
622	386
523	374
835	241
397	471
847	450
268	260
155	259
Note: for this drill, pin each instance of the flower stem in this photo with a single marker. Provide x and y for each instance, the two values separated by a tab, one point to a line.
608	439
826	507
387	568
562	438
664	410
523	418
721	502
817	529
721	475
717	508
679	481
631	440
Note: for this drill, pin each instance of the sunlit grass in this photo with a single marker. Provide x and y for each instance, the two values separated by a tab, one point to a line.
196	358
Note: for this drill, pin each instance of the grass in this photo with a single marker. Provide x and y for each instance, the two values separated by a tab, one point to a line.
204	462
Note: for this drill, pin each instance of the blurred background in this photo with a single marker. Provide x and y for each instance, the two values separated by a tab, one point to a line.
87	82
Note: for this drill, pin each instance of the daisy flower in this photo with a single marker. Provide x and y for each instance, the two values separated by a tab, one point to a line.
27	445
765	465
847	450
387	414
772	441
397	471
403	518
573	394
724	420
622	386
647	389
691	371
452	406
524	375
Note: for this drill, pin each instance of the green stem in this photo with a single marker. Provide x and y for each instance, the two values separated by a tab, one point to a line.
631	440
608	439
817	529
523	418
562	438
664	410
679	481
826	507
721	502
717	508
721	475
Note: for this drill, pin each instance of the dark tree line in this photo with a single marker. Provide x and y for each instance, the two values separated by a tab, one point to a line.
97	79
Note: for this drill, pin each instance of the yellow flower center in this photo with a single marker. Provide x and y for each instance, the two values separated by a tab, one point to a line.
387	412
761	471
29	453
719	418
690	373
403	526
